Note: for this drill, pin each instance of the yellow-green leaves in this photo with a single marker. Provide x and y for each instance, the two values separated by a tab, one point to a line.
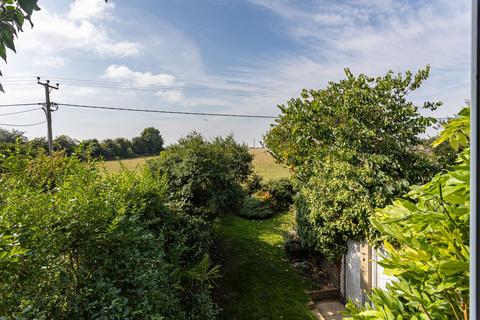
430	254
456	131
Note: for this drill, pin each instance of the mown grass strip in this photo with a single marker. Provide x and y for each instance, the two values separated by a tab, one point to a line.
258	281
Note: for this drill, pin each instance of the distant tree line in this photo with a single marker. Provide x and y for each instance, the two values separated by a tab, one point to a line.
148	143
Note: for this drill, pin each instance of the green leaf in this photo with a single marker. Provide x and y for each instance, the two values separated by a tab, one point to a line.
19	19
452	267
8	40
3	51
29	6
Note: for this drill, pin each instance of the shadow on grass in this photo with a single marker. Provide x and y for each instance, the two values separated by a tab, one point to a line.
258	282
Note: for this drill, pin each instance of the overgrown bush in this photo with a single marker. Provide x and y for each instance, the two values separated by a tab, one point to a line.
427	243
282	193
351	147
76	243
267	199
204	177
257	206
253	184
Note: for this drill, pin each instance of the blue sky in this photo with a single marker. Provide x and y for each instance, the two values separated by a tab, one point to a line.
274	46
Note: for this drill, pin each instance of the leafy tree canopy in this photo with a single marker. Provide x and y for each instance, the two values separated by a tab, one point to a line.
427	243
354	147
358	119
10	137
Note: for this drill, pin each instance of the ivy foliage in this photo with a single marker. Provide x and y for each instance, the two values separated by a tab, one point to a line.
77	243
427	243
352	147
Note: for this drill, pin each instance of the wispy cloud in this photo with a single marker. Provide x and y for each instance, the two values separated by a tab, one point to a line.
373	37
79	29
52	62
89	9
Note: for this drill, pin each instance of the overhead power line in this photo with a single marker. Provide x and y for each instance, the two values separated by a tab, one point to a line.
20	104
190	88
177	112
22	125
169	112
17	112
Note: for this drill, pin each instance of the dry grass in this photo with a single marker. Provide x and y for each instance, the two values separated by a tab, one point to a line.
263	165
130	164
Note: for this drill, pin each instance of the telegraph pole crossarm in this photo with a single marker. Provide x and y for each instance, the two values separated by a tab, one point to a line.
48	111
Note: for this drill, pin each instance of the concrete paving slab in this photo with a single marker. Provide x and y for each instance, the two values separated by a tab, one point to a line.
330	310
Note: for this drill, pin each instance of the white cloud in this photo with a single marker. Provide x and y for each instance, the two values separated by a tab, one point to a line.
58	33
123	73
171	96
52	62
87	9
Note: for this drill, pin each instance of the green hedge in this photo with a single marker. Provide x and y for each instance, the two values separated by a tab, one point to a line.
76	243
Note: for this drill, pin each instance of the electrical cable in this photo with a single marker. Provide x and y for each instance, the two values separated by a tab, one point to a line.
20	104
168	112
22	125
194	89
17	112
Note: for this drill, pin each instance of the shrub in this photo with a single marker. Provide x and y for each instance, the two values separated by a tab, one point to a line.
282	193
427	243
273	197
335	205
257	206
79	244
204	177
253	184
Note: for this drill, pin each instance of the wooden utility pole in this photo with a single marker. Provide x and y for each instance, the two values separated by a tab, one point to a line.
48	112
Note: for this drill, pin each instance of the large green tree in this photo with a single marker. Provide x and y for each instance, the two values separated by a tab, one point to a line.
426	236
125	147
66	143
11	136
353	146
150	142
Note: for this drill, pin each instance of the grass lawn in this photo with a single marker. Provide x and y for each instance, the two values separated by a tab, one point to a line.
258	282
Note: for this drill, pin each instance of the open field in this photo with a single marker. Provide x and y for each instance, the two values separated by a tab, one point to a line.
263	165
130	164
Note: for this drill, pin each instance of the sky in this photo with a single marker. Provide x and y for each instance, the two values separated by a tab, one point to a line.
223	56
